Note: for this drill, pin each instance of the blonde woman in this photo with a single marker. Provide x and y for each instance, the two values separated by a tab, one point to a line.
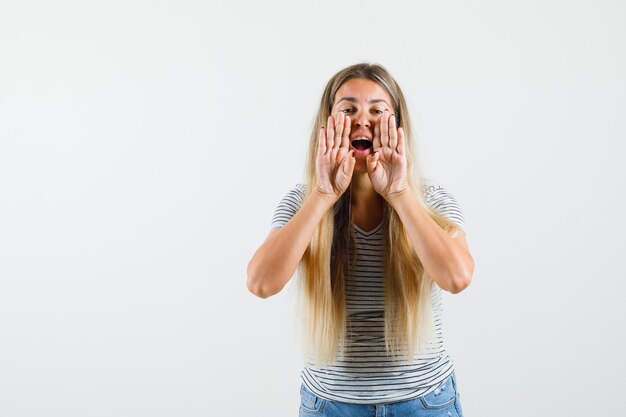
375	245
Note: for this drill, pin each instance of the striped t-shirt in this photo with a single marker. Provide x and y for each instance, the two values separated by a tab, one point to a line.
364	374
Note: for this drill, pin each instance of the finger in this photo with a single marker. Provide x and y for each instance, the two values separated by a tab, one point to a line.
393	133
345	139
339	130
376	143
321	145
384	129
330	132
401	141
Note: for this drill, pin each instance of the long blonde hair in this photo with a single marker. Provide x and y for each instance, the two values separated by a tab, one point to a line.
408	311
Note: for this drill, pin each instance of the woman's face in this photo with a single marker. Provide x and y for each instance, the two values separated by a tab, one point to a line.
364	101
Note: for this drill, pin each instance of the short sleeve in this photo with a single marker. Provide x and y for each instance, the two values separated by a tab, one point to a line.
289	206
440	200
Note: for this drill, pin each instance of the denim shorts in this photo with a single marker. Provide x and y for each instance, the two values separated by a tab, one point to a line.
443	402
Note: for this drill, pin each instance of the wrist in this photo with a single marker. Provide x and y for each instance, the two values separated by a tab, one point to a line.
397	198
324	199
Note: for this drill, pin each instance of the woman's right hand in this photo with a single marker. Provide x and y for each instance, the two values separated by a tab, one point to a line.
334	162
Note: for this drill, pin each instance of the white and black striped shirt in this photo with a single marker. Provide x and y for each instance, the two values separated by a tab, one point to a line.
365	374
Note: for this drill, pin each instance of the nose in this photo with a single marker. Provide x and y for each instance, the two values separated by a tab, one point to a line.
362	119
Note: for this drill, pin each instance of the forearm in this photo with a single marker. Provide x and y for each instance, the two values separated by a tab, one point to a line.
445	260
275	262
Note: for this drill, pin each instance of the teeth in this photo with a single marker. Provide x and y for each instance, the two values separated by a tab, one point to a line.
361	138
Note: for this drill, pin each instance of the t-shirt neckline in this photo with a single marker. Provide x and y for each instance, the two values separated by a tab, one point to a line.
371	232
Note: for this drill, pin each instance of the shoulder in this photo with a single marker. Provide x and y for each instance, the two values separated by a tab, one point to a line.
300	189
440	199
296	193
289	205
434	192
428	189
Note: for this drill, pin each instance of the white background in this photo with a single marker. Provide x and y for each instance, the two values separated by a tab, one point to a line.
145	144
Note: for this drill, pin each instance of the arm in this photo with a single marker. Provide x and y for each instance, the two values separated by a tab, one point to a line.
276	260
274	263
446	260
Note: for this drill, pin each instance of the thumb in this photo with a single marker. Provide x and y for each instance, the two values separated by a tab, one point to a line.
372	161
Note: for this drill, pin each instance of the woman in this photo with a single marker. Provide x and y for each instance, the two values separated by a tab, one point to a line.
376	245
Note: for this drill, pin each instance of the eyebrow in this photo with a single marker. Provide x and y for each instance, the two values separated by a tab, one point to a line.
353	100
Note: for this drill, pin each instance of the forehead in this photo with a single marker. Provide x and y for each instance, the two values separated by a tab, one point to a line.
362	89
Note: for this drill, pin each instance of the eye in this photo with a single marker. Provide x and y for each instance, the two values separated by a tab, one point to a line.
378	112
346	110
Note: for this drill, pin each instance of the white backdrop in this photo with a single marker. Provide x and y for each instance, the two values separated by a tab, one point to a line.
145	144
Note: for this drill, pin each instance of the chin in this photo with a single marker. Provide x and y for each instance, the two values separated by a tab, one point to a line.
360	166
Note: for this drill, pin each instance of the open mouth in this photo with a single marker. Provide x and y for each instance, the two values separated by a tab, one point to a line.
361	143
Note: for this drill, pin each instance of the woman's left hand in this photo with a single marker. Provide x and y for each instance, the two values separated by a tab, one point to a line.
387	165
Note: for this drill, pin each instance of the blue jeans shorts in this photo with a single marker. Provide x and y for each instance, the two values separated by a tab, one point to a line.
443	402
